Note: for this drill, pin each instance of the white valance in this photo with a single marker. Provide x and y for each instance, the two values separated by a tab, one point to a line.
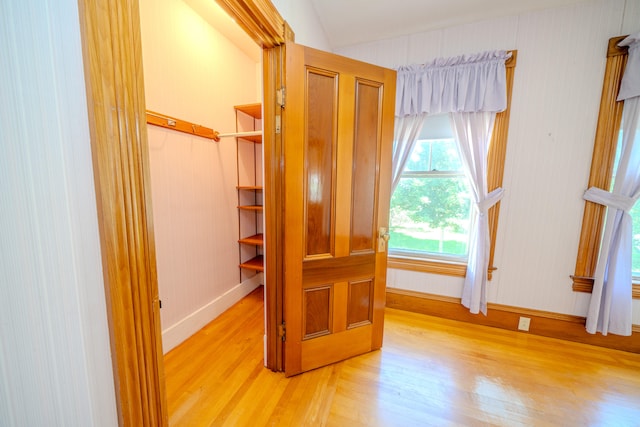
467	83
630	86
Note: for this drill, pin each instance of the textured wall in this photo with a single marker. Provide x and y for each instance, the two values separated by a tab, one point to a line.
302	18
55	365
556	96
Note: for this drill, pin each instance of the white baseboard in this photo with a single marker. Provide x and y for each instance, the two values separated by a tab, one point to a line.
189	325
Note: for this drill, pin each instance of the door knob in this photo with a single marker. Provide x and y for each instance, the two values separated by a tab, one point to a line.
383	238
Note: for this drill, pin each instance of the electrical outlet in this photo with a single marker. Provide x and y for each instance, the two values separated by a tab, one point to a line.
523	324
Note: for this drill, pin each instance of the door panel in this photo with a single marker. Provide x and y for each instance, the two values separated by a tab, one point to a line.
367	121
338	130
360	306
320	158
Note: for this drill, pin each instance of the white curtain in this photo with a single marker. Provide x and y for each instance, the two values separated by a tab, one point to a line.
407	129
473	134
466	83
472	88
610	309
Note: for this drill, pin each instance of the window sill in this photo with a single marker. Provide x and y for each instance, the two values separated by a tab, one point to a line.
585	284
447	268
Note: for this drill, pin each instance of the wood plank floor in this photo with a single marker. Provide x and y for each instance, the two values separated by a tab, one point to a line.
430	372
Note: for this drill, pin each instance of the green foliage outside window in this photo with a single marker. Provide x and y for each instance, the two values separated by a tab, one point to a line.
430	207
635	215
635	251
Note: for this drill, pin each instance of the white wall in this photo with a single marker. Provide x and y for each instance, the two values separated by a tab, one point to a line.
302	18
556	95
55	365
194	73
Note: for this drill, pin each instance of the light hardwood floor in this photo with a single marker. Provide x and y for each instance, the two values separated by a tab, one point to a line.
430	372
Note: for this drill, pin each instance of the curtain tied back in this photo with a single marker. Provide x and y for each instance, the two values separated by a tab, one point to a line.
612	200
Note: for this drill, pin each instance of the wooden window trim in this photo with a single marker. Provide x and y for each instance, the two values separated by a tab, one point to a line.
601	175
495	174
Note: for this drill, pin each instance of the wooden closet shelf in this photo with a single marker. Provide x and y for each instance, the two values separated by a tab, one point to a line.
254	110
249	187
255	208
256	264
256	239
256	139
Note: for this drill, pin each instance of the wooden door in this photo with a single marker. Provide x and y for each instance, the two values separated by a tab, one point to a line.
338	130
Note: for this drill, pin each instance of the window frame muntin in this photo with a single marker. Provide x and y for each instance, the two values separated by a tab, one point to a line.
426	255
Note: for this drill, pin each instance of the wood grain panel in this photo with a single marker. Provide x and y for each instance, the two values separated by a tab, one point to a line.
337	269
317	312
319	159
110	32
336	346
366	138
360	305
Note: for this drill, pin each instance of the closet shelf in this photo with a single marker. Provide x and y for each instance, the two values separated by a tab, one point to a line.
256	139
255	208
249	187
256	239
250	211
256	264
253	110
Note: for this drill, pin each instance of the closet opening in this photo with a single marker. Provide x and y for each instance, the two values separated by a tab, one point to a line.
203	91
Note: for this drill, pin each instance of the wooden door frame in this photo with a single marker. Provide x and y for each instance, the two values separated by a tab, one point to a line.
112	56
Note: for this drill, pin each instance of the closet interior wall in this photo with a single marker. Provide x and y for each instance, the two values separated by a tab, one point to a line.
194	72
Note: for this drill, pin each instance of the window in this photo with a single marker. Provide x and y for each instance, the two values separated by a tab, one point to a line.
635	255
635	215
430	208
452	259
602	172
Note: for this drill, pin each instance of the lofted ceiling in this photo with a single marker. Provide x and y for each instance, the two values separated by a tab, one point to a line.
348	22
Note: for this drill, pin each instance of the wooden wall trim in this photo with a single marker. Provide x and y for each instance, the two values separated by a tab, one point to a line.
496	158
544	323
273	209
585	284
259	19
110	32
600	176
427	266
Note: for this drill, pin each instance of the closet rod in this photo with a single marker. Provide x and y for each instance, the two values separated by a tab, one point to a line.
169	122
240	134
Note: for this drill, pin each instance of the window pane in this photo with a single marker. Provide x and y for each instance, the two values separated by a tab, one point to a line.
635	215
635	251
430	214
420	158
444	156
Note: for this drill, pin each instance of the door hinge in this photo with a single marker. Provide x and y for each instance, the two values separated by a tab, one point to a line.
282	331
280	96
